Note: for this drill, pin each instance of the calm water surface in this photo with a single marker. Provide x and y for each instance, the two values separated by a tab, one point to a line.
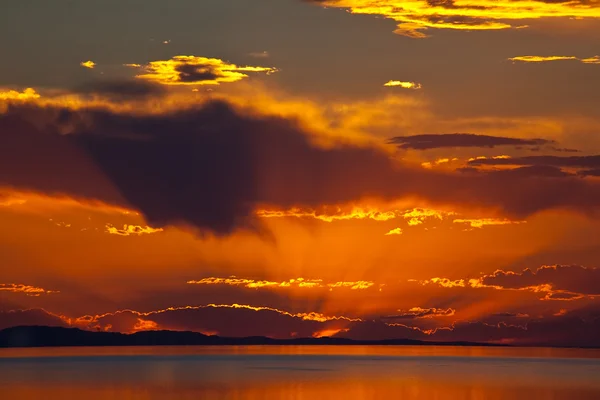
289	372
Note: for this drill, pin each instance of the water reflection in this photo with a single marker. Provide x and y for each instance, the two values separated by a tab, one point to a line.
299	373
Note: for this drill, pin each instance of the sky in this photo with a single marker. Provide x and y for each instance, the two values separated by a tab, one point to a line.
422	169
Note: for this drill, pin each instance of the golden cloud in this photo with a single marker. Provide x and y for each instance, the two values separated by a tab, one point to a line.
480	223
131	230
297	282
403	84
330	214
28	290
395	231
88	64
540	59
27	94
443	282
415	16
554	282
193	70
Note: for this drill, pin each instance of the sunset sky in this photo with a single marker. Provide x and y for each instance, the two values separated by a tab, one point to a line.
371	169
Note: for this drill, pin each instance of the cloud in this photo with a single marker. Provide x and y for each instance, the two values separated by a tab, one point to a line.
129	230
416	16
561	329
394	232
224	319
435	141
28	290
509	315
30	317
545	160
443	282
330	214
540	59
211	165
290	283
556	282
559	281
192	70
418	216
403	84
27	94
88	64
418	312
481	222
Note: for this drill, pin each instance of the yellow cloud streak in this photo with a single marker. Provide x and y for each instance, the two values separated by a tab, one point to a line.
335	215
541	59
480	223
403	84
25	289
298	282
413	16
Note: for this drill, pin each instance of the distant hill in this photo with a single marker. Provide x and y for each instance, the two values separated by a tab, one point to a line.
46	336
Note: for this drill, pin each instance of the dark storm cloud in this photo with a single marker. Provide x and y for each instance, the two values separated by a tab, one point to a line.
209	166
435	141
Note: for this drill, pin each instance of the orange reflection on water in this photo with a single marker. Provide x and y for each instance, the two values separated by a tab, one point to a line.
289	372
358	350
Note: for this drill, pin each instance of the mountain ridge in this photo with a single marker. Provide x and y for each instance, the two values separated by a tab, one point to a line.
48	336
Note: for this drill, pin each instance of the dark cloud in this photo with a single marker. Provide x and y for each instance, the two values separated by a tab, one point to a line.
570	329
509	315
434	141
209	166
573	279
197	73
531	171
590	172
552	331
418	312
548	161
29	318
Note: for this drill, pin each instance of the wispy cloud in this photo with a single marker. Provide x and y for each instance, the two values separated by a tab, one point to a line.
403	84
28	290
419	312
481	222
541	59
290	283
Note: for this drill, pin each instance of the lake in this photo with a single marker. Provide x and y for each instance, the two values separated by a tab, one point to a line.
300	372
